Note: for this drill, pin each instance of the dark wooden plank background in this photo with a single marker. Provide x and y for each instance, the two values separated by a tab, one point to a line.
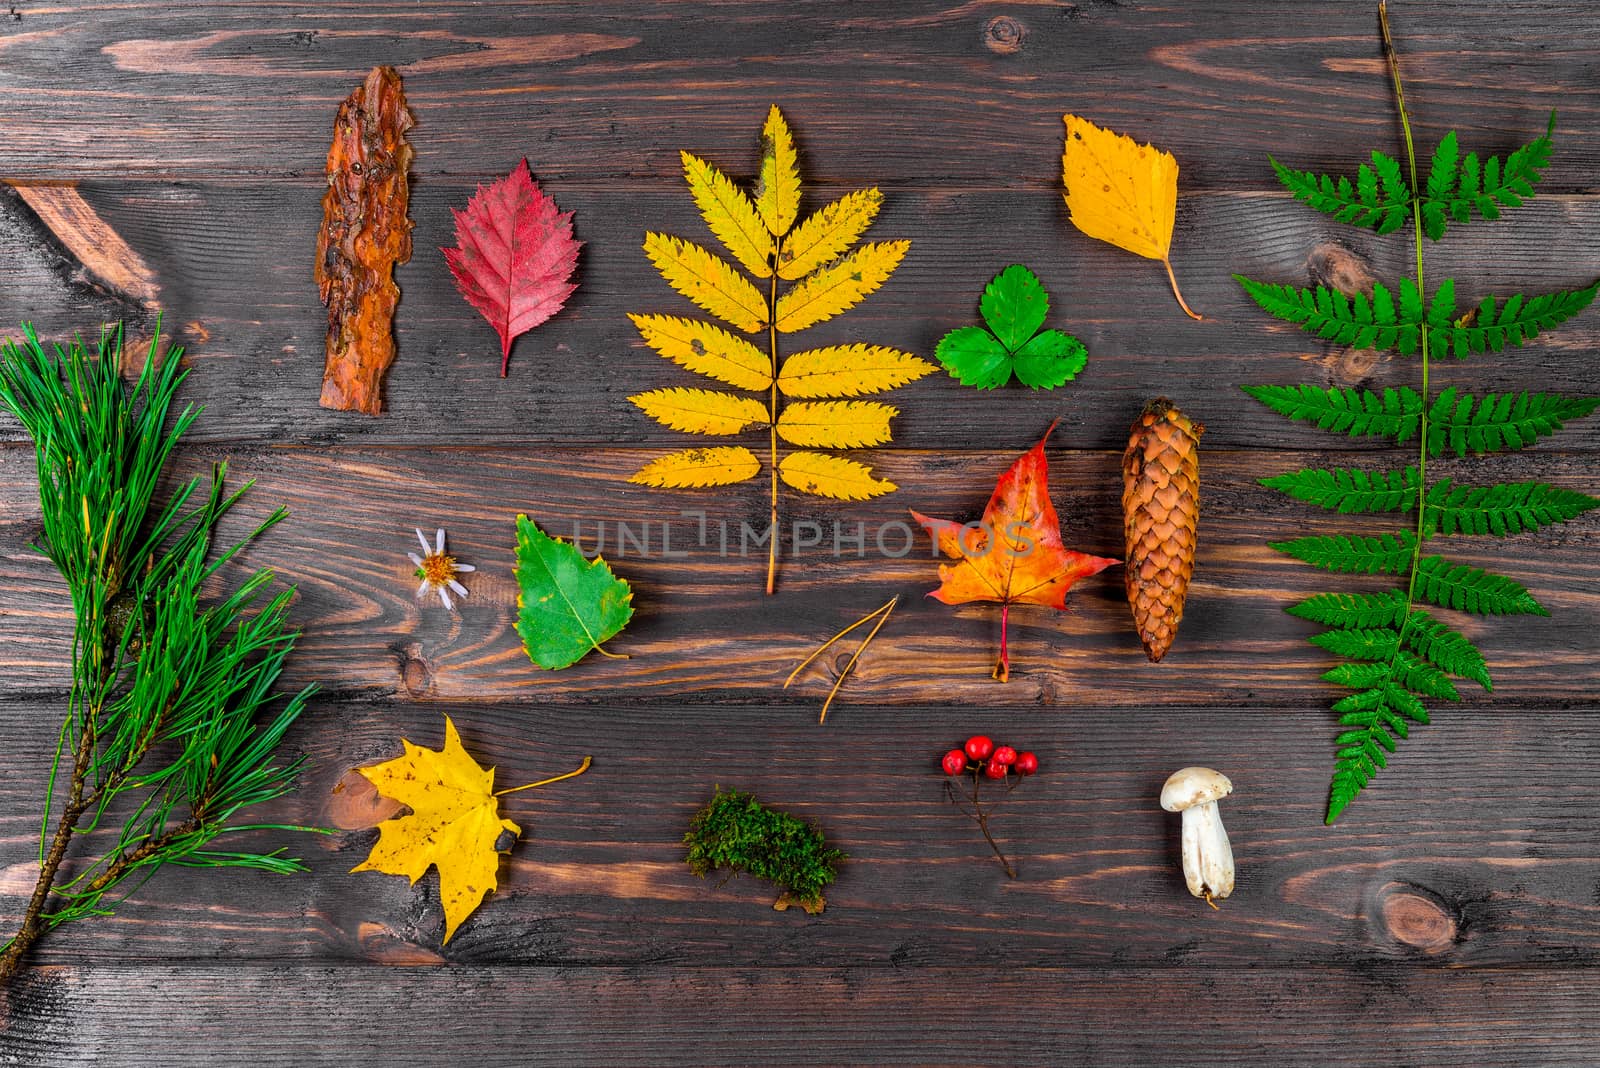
166	159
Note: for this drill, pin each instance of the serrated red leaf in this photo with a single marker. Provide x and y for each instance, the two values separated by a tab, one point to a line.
514	256
1015	555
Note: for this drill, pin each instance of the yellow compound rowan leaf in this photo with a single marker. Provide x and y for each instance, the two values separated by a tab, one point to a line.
836	424
1122	192
707	350
701	411
453	824
831	476
849	371
778	194
730	214
839	286
708	280
693	468
827	233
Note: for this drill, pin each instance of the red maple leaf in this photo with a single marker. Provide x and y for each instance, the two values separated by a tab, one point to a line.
514	256
1014	554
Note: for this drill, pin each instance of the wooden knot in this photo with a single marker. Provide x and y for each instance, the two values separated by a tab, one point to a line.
1418	918
415	675
1331	264
1003	35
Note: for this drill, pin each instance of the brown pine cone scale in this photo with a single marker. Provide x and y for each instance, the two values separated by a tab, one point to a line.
1161	511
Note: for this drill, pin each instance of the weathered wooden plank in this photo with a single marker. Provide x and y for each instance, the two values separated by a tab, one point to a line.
705	628
986	1013
1475	848
232	262
940	94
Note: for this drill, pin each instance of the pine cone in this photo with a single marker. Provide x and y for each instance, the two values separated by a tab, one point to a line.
1160	508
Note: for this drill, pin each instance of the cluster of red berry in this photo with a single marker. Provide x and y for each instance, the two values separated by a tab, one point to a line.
981	755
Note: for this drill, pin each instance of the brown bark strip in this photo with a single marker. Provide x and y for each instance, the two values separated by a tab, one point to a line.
365	232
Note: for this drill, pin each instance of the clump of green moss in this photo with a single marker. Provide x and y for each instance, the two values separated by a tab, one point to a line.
737	832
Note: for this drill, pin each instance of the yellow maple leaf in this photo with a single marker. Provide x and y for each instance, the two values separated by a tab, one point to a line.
836	424
822	475
708	280
1122	192
706	349
827	233
730	215
849	370
778	194
695	468
701	411
838	287
454	823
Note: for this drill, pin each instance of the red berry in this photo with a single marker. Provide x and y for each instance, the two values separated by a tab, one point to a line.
1026	764
1005	755
979	747
954	762
995	770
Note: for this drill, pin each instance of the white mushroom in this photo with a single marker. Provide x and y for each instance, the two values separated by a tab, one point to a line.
1207	856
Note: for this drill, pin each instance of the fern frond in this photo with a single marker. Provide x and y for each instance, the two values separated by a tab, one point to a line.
1458	187
1379	643
1446	649
1472	589
1378	199
1394	413
1385	554
1353	610
1374	718
1349	490
1400	668
1507	508
1492	325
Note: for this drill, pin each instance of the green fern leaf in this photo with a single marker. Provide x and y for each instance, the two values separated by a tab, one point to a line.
1377	200
1472	589
1457	189
1446	649
1499	422
1375	717
1359	643
1349	490
1519	319
1508	508
1386	554
1394	413
1353	610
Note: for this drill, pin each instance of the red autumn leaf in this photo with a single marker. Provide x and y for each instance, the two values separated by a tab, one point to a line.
514	256
1014	554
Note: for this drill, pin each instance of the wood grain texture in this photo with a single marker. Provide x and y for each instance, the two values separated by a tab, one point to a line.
171	153
620	1017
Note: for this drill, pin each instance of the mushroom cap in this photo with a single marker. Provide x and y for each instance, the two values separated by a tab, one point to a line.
1188	787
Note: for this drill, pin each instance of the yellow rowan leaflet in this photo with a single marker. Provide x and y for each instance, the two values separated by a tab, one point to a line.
793	401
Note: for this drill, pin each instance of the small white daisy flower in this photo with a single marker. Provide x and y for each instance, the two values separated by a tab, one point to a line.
438	570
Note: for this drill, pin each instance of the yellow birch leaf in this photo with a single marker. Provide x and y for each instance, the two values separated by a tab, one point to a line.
706	350
822	475
778	194
849	371
836	424
708	280
840	286
691	468
453	824
701	411
1122	192
827	233
730	214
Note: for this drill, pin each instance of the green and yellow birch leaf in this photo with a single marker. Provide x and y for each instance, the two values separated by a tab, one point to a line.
566	604
707	350
822	475
849	371
826	234
701	411
840	286
836	424
694	468
730	214
778	194
708	280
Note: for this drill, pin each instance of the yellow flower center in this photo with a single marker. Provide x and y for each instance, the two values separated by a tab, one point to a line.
438	568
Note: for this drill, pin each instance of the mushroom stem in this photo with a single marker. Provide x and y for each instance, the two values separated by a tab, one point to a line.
1207	856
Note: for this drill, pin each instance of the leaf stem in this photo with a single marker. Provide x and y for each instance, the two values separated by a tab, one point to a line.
1190	312
554	778
981	818
772	416
1002	669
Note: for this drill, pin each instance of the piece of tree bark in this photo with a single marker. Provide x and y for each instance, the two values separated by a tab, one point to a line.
365	232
